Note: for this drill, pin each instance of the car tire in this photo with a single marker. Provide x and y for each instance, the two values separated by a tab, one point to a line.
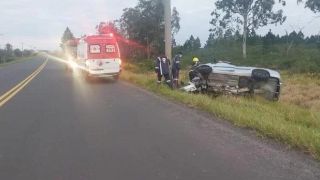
116	78
271	89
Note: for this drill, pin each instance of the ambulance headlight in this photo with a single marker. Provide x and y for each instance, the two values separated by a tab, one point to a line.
87	63
70	58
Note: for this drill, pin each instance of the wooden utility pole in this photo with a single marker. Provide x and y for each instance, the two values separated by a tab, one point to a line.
22	49
168	37
167	34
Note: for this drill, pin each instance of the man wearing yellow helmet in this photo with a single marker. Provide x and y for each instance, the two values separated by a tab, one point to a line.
195	61
195	64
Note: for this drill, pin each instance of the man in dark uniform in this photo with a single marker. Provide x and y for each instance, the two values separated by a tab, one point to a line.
162	68
176	68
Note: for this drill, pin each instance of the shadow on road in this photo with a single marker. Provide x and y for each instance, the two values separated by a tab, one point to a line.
91	80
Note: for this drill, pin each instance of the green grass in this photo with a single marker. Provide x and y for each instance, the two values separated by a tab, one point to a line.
14	60
288	123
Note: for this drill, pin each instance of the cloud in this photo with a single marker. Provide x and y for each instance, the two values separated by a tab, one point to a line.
42	22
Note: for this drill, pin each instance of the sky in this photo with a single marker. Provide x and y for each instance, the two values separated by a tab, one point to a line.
40	23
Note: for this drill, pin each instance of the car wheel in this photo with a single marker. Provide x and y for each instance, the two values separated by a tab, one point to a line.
116	78
271	89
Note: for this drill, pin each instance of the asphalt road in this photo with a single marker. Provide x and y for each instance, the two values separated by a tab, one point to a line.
61	127
12	74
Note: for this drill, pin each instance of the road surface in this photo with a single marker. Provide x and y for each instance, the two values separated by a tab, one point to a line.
60	127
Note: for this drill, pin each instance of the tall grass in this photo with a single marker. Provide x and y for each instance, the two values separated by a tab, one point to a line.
302	90
296	126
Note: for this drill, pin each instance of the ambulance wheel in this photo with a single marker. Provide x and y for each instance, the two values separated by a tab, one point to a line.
68	68
88	78
116	78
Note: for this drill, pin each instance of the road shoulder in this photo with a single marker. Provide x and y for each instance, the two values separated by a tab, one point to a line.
209	123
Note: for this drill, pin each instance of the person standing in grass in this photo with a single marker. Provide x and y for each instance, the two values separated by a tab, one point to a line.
162	68
195	62
176	69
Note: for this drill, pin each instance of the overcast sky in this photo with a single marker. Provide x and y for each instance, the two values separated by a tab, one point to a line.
40	23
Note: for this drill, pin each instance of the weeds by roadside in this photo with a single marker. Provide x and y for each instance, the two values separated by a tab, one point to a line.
302	90
16	61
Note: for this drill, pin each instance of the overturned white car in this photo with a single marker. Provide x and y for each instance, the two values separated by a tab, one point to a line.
229	79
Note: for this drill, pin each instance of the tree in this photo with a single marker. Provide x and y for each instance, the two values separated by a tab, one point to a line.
292	39
27	52
2	56
296	37
189	44
17	53
228	35
300	37
108	27
175	23
247	14
211	40
197	44
67	35
237	35
192	44
9	50
268	41
314	5
144	24
313	39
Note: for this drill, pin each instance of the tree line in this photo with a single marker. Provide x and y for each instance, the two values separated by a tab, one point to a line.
293	38
8	53
268	41
231	20
247	16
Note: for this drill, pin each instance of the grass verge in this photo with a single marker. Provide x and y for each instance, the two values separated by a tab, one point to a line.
302	90
293	125
17	60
